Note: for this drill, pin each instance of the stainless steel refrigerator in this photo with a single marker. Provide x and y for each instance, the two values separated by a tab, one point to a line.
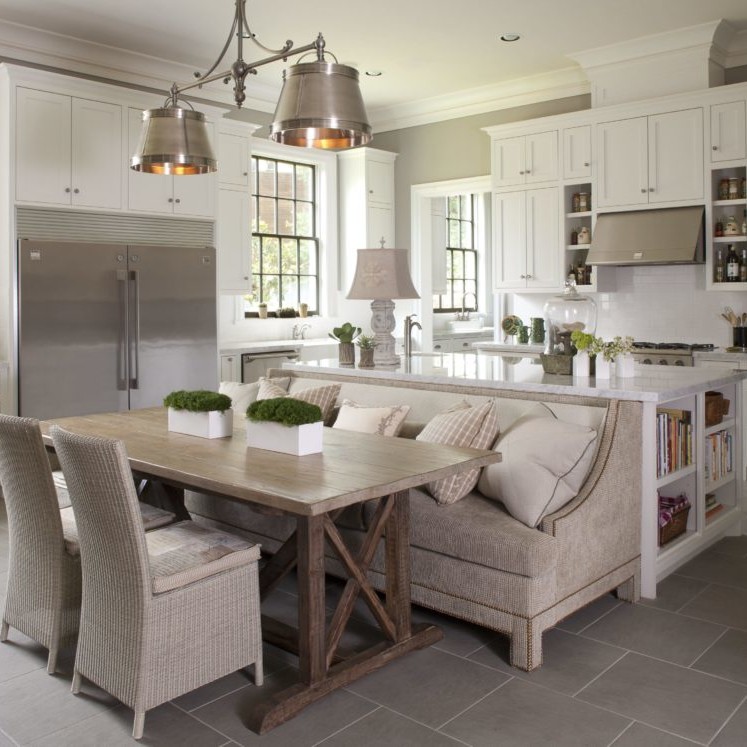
107	327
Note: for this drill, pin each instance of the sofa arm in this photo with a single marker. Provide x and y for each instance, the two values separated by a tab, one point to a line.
600	529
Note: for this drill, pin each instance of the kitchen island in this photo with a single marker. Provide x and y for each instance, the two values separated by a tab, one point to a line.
713	467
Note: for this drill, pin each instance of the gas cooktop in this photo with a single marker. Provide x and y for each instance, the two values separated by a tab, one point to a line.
672	346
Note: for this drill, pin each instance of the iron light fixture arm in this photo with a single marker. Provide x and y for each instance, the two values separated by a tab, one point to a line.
240	69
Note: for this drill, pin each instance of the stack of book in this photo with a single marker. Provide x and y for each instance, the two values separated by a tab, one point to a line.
719	460
712	506
674	439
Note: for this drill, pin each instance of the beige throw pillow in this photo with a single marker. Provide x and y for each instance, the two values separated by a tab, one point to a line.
545	462
475	427
324	397
242	395
385	421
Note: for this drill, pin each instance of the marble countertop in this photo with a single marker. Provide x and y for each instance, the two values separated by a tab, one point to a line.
514	348
507	372
720	354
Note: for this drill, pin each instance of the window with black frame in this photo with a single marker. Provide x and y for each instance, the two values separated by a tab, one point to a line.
461	257
285	243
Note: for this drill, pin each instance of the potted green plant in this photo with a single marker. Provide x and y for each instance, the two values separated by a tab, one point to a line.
200	413
345	336
366	343
284	424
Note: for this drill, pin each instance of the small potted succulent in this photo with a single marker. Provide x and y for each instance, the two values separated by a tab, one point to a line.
200	413
345	336
366	344
284	424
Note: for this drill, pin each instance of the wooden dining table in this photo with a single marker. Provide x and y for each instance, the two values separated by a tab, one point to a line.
351	469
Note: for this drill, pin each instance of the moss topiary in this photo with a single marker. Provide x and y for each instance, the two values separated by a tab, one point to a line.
200	400
284	410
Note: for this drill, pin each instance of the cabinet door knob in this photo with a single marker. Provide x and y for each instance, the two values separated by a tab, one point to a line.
67	190
715	147
650	189
586	163
246	173
246	277
643	190
171	199
76	191
529	277
177	200
523	277
528	171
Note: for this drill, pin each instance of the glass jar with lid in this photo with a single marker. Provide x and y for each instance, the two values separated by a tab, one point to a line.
564	314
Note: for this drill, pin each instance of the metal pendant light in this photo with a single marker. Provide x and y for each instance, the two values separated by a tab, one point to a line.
320	106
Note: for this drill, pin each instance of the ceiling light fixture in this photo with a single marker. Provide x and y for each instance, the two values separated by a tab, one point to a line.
320	106
510	37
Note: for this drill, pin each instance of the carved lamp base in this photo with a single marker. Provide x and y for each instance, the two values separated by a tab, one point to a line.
382	324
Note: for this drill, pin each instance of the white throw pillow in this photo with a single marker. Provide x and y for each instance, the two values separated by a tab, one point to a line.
545	462
475	427
385	421
242	395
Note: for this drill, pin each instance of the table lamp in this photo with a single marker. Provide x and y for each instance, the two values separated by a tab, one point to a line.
382	275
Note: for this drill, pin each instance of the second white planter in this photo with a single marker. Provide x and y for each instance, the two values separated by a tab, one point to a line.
204	424
294	439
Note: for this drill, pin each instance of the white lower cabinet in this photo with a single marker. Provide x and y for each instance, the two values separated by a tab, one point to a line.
526	240
230	367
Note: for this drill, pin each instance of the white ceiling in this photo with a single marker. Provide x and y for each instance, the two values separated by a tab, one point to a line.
427	50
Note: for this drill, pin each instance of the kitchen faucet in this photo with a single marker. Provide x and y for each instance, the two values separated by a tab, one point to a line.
464	316
299	331
409	324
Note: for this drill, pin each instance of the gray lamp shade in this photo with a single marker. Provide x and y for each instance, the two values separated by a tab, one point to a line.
321	106
174	141
382	274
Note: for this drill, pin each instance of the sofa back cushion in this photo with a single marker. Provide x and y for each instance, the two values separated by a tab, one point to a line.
545	462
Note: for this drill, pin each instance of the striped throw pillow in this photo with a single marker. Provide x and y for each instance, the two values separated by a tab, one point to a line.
325	397
473	427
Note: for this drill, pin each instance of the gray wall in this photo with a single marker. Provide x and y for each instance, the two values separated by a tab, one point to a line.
453	149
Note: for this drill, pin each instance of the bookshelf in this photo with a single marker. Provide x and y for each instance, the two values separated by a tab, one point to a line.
702	462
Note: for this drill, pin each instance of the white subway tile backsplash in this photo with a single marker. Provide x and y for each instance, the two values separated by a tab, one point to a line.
662	303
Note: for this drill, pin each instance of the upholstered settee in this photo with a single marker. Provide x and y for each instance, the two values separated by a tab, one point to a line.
473	559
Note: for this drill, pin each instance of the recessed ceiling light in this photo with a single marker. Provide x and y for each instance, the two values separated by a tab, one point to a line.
510	37
373	73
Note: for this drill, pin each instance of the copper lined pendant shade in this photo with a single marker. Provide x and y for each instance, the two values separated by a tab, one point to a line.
174	141
321	106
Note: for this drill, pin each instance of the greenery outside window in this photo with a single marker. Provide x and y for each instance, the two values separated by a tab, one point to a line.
285	242
461	257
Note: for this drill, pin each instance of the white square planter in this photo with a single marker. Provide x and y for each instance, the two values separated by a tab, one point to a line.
204	424
290	439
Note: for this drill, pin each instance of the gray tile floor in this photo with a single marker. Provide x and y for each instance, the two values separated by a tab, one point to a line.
665	673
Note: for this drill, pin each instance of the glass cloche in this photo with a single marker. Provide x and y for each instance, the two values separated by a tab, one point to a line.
565	313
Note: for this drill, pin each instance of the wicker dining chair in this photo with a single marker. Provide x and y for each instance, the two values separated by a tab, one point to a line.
163	613
44	575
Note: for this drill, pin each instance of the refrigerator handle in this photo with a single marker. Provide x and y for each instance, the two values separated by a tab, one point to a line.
122	346
135	331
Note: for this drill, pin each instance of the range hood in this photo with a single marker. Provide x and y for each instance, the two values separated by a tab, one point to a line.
649	237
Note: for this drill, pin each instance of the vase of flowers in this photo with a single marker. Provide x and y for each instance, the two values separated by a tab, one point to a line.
622	347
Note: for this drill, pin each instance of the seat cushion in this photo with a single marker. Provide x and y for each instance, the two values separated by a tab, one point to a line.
478	530
152	519
185	552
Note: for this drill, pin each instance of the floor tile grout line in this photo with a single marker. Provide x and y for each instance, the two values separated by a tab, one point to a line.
352	723
8	737
627	728
625	652
728	718
199	720
708	585
479	700
601	617
691	665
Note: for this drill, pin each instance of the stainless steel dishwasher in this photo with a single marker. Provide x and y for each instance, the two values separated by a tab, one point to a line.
254	365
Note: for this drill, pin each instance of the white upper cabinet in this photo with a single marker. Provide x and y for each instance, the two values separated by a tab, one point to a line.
234	235
526	246
171	195
380	182
527	159
577	152
728	140
233	160
647	160
68	150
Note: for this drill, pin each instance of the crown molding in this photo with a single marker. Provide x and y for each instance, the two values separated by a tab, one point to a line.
508	95
65	53
738	50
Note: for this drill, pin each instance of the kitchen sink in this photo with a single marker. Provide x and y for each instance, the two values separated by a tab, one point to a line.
466	325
